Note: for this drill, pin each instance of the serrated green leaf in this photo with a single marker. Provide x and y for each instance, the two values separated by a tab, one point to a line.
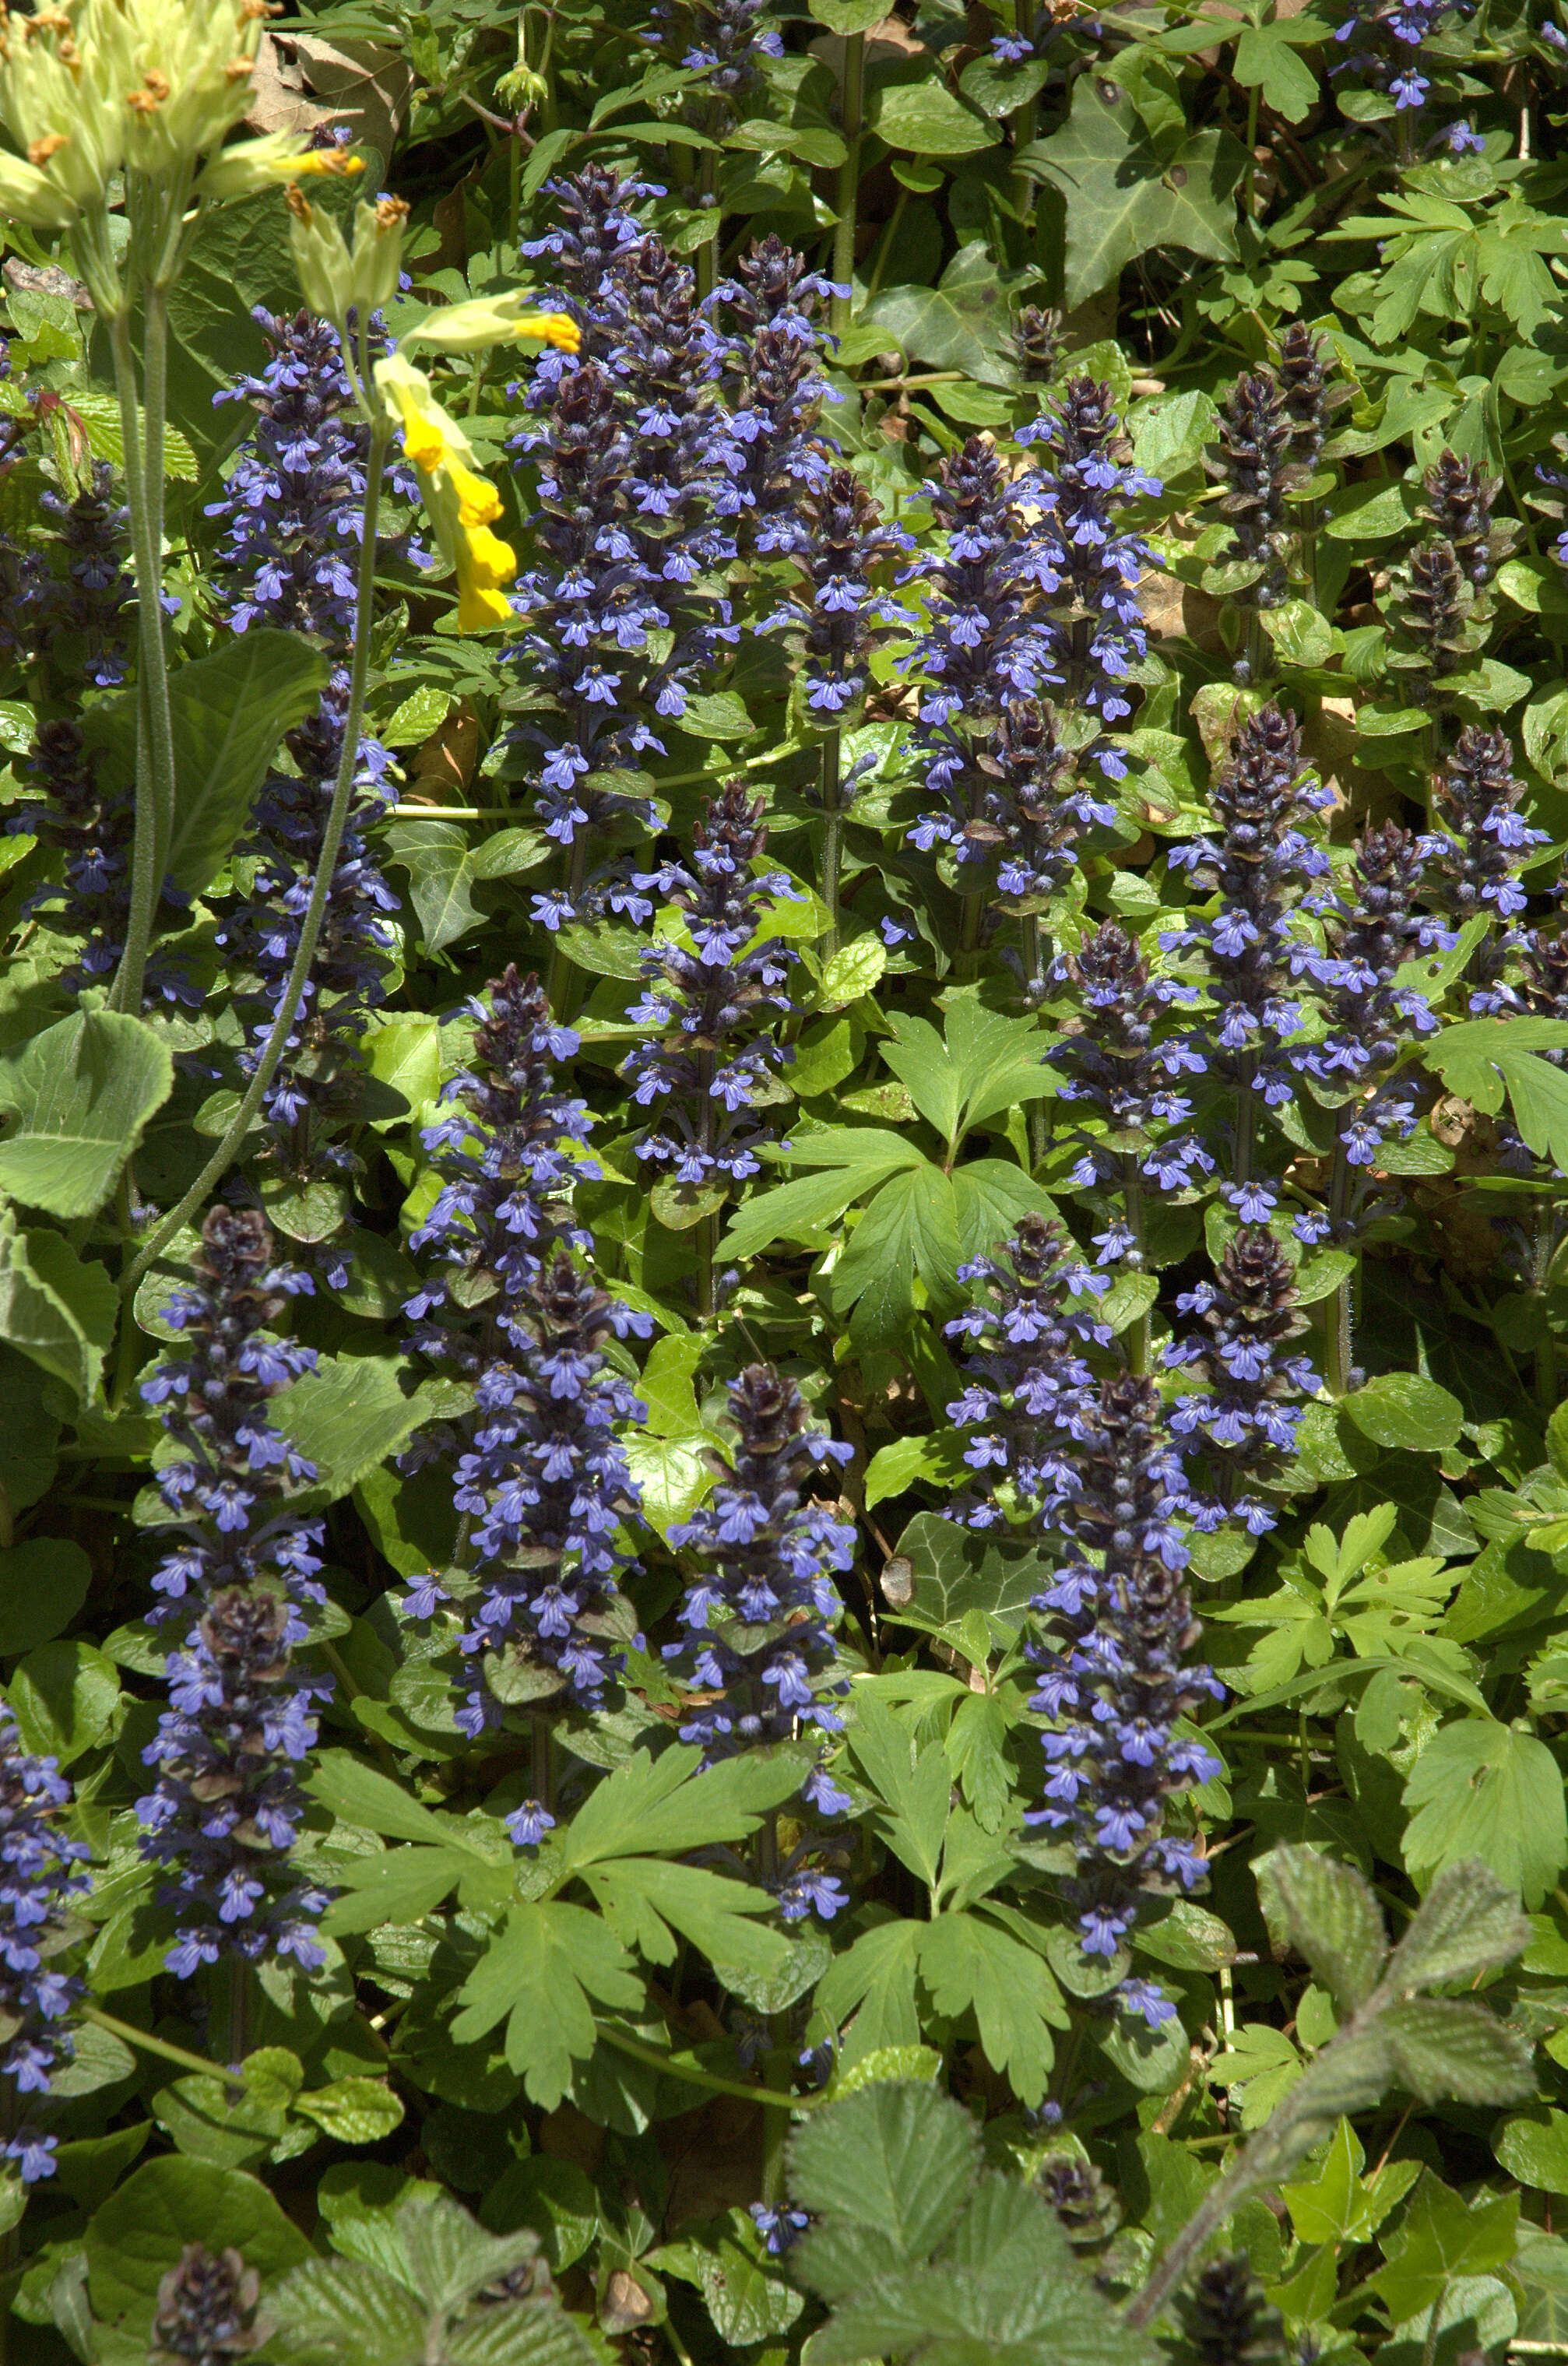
1467	1923
1480	1789
1334	1921
900	2158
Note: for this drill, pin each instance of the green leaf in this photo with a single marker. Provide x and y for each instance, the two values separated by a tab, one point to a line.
350	2313
138	2233
422	711
361	1796
348	1417
404	1885
1533	2147
914	1786
1442	2049
1126	196
405	1054
853	971
43	1584
1467	1923
353	2111
640	1896
1334	1921
746	2303
66	1697
958	324
81	1094
898	2157
718	715
927	120
990	1195
1402	1409
1490	1791
863	1156
538	1975
653	1805
444	866
1480	1059
1265	57
231	711
910	1227
848	17
1440	2238
969	1965
893	1469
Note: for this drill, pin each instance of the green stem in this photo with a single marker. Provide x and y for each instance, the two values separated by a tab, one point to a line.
1338	1315
1540	1264
885	243
320	886
561	988
155	734
691	2074
1132	1197
145	2042
1034	962
1253	96
832	841
851	126
706	256
1246	1116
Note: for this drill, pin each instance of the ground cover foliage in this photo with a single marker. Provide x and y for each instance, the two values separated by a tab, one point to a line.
782	1101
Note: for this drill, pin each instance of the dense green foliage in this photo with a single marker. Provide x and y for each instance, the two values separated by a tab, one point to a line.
784	1093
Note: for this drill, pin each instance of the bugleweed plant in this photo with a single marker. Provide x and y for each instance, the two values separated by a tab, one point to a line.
784	1253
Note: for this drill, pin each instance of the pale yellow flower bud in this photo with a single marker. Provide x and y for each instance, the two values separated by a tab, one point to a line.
27	195
240	170
337	277
60	103
491	320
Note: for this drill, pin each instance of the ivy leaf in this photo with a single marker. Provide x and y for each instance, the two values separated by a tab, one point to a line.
1486	1790
82	1094
1127	197
958	324
1441	2238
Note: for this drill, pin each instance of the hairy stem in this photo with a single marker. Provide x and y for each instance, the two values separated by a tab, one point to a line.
849	181
154	735
1338	1314
832	840
1033	963
320	886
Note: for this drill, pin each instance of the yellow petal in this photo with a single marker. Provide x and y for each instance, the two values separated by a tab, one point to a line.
492	561
424	443
478	607
479	503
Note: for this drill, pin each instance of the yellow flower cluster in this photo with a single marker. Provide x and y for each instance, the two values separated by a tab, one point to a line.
461	504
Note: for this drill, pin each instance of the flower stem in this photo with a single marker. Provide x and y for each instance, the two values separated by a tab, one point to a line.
145	2042
154	735
832	841
1339	1312
320	886
691	2074
851	126
1029	935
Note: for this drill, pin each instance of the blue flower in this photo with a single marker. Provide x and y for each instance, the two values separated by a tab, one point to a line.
1121	1057
1089	562
1371	1017
227	1494
1251	1412
1028	1385
758	1645
774	389
292	514
40	1881
225	1811
541	1480
1113	1678
710	1061
839	540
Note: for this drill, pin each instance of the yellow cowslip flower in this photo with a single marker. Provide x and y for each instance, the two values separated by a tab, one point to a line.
60	100
461	505
247	165
489	320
